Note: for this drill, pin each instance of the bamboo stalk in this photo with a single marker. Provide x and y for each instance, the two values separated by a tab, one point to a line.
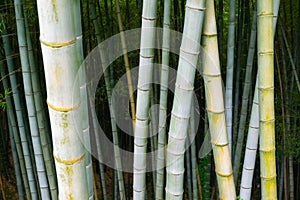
253	133
143	97
188	170
41	117
18	157
99	154
229	71
16	164
164	78
215	105
265	49
30	104
290	55
60	55
126	61
118	163
244	109
285	119
20	120
193	155
184	86
84	98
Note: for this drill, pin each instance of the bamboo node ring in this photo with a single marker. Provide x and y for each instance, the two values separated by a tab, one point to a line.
69	161
62	109
223	174
57	44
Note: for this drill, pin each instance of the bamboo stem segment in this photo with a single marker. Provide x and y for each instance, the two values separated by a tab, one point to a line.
265	47
181	111
57	26
215	105
143	98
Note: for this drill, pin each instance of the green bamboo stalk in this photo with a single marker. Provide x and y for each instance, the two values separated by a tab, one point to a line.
244	109
265	47
16	163
41	116
290	55
126	62
153	139
118	163
229	71
60	56
18	159
84	98
150	185
287	125
164	78
20	121
94	118
188	169
189	51
215	105
99	153
30	104
237	76
143	97
115	182
205	163
193	153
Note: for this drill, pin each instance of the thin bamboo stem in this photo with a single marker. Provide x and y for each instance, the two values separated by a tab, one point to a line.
41	117
164	78
143	97
229	71
30	104
244	109
20	120
127	65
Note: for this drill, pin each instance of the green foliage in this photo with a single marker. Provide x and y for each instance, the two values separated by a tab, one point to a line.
3	97
3	21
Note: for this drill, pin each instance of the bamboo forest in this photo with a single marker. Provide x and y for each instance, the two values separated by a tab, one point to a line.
149	99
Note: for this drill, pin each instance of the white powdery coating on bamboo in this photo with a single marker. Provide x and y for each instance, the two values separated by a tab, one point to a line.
251	149
58	40
143	98
159	190
184	86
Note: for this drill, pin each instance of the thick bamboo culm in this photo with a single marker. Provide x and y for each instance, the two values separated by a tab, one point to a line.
265	48
184	87
215	105
60	56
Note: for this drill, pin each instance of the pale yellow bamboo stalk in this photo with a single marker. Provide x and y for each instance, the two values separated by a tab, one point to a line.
127	65
215	105
265	48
